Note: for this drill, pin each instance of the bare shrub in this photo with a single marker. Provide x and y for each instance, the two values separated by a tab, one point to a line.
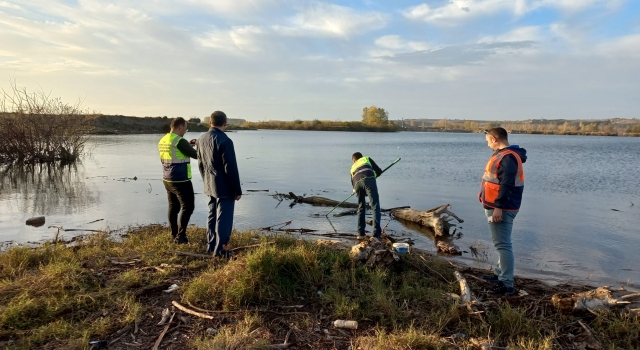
36	128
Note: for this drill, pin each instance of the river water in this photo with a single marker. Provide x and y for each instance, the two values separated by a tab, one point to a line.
578	219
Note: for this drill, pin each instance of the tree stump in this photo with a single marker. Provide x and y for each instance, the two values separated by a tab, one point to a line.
438	219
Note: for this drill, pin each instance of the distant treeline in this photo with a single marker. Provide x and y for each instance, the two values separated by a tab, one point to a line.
321	125
606	127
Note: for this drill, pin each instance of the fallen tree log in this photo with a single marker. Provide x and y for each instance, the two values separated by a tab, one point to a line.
601	298
438	219
354	212
313	200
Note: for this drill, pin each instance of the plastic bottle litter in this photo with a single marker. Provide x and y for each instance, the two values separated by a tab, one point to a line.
171	288
345	324
98	344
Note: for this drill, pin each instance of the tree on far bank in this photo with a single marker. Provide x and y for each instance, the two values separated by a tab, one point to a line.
375	116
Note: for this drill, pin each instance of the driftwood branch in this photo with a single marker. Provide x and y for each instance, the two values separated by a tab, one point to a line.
313	200
191	312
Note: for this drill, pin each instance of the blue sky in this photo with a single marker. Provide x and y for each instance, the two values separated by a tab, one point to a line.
299	59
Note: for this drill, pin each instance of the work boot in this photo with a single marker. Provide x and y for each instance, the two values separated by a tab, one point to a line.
491	278
181	240
500	289
361	237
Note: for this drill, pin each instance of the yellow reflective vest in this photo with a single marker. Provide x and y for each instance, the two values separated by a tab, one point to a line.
176	166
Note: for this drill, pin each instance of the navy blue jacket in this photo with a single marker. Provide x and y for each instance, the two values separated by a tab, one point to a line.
510	196
217	164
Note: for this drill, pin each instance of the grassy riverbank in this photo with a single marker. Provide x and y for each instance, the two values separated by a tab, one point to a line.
60	296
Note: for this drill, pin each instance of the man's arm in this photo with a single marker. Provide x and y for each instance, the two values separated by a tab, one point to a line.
376	168
199	151
184	147
231	166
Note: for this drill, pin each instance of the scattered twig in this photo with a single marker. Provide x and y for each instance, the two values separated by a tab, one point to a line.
432	270
156	346
251	246
194	255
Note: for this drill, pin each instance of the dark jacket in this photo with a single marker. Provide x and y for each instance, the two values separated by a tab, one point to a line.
509	195
217	164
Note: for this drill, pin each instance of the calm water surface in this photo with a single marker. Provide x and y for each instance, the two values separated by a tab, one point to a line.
565	229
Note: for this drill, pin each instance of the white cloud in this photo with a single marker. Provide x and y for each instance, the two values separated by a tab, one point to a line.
626	46
162	57
456	11
528	33
574	5
459	10
395	42
332	20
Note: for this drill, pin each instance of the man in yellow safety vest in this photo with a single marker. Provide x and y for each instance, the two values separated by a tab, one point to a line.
175	156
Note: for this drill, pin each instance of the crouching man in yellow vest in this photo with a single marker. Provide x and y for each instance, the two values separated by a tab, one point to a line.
363	178
175	156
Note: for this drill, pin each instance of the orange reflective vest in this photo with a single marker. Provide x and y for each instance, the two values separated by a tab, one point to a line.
490	186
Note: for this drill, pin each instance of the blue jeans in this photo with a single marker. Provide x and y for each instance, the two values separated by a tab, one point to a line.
368	187
501	235
219	225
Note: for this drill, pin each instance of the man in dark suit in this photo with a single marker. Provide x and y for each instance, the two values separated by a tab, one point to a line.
219	170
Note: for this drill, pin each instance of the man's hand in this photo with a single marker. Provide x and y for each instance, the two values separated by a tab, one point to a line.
192	142
497	215
238	197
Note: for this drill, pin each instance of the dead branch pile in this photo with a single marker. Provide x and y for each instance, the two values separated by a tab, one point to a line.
599	299
374	254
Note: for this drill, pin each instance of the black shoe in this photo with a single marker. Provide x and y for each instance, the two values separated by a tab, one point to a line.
500	289
491	278
361	237
181	240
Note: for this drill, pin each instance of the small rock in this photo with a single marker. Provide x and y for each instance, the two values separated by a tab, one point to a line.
212	331
36	221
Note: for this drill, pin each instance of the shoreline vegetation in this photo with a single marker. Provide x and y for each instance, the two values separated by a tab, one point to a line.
116	124
279	292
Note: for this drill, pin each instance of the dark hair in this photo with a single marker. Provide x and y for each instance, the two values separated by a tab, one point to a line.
178	122
218	118
356	156
499	133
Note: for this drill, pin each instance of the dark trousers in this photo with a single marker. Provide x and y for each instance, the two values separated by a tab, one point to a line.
181	197
219	225
368	187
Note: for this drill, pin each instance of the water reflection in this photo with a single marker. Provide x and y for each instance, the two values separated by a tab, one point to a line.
56	188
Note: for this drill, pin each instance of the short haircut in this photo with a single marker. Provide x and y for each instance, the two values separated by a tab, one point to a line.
499	133
356	156
218	118
178	122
